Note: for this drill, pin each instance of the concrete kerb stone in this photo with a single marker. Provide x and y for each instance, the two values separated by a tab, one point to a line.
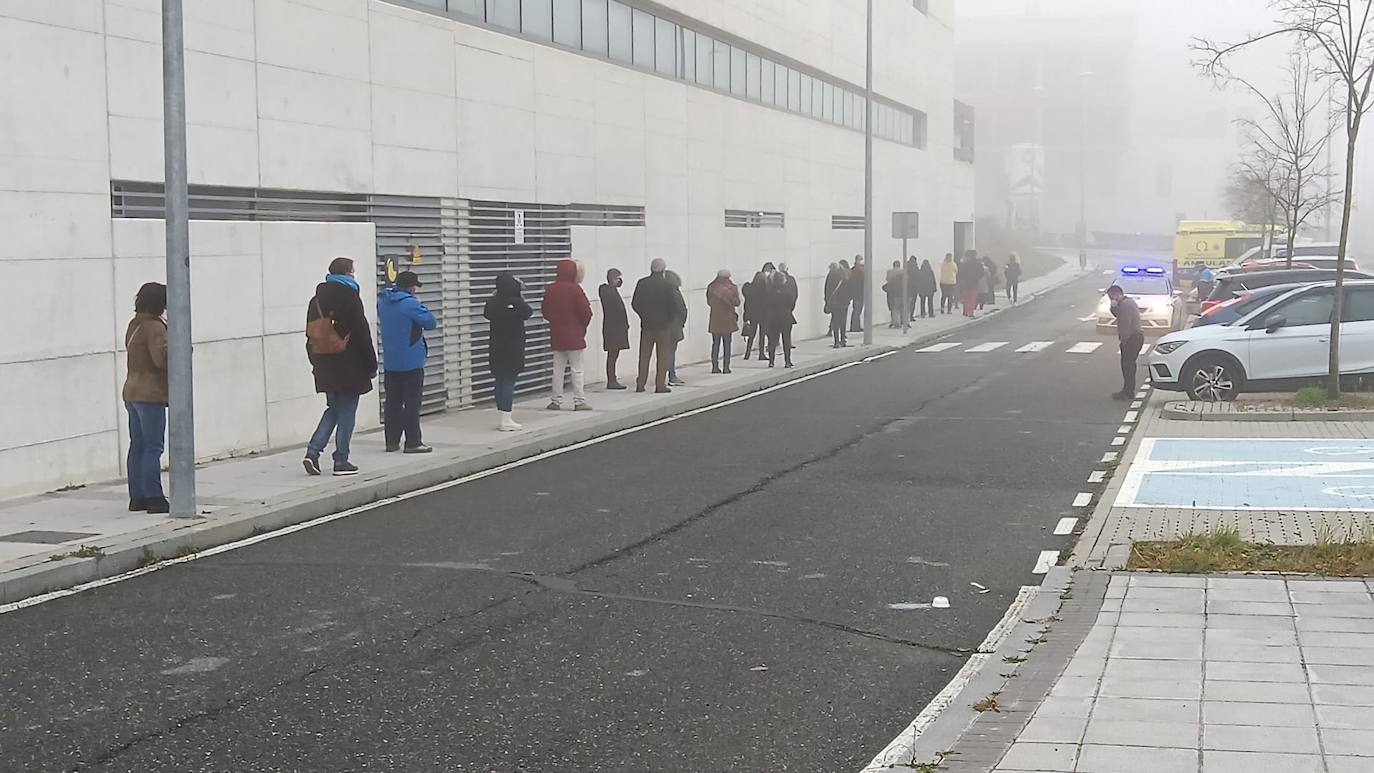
161	543
1088	552
1178	410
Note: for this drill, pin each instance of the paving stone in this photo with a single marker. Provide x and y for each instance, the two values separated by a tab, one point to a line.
1335	639
1250	591
1130	668
1339	656
1326	597
1065	707
1134	759
1040	756
1343	695
1233	636
1146	710
1361	610
1158	644
1336	624
1160	620
1347	764
1265	714
1144	687
1181	595
1257	672
1256	692
1351	743
1250	762
1050	729
1223	607
1250	738
1346	717
1190	605
1242	653
1320	674
1074	687
1330	586
1247	623
1113	732
1166	581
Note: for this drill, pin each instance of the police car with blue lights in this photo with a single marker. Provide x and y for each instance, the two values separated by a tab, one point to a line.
1152	290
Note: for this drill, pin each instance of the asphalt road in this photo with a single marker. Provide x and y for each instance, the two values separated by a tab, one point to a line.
708	595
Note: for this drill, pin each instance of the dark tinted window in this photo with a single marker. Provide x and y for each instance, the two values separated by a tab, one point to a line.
1225	315
1310	308
1359	305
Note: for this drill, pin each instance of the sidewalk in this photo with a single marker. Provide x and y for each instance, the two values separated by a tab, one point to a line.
239	497
1202	674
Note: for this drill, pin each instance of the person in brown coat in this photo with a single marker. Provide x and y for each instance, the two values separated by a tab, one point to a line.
145	398
722	297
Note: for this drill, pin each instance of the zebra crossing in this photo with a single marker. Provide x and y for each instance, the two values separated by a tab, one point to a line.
1081	347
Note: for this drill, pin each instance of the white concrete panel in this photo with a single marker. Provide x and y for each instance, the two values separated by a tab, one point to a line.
46	174
411	172
295	155
291	422
137	92
215	155
84	15
620	99
133	20
136	149
297	257
411	50
411	119
485	75
619	164
220	91
222	27
54	225
495	148
56	464
287	369
229	377
57	398
53	93
563	135
72	319
565	179
329	38
301	96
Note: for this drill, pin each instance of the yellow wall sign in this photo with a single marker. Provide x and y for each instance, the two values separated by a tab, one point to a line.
414	254
391	270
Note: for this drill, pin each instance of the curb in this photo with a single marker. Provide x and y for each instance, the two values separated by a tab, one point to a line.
138	549
1173	412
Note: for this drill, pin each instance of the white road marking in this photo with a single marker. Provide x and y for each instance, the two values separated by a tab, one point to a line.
33	601
877	357
944	347
898	753
1097	476
1137	403
1085	347
990	346
1065	526
1124	429
1131	417
1088	318
1119	440
1047	559
1110	457
1035	346
1083	499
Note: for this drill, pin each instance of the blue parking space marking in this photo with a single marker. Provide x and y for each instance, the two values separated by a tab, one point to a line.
1251	474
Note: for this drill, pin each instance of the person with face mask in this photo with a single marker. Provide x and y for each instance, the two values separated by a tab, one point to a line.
506	311
1131	336
615	325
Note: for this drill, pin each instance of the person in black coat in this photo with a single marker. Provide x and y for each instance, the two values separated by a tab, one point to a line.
755	294
506	311
782	301
343	377
615	325
837	288
926	285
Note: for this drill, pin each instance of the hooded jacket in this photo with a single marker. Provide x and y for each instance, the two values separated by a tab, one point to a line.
351	371
507	311
567	309
403	319
722	298
949	272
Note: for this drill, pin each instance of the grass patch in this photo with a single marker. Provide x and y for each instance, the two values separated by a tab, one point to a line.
1350	555
1315	397
987	704
85	551
1013	659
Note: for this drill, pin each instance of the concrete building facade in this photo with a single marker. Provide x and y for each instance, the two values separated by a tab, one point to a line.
456	138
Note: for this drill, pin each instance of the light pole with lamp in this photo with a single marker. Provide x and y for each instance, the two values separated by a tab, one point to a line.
1083	168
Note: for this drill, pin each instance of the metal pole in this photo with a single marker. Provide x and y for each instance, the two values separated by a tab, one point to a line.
181	410
868	183
906	301
1082	166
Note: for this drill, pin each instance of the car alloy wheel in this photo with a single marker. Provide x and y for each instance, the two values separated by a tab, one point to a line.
1212	382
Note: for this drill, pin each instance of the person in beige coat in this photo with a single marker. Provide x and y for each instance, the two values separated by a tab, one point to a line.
722	297
145	398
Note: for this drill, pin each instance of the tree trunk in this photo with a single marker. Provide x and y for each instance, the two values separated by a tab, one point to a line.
1333	365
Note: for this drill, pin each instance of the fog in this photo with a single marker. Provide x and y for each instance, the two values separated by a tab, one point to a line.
1108	87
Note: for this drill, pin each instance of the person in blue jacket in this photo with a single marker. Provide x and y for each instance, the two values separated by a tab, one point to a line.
403	319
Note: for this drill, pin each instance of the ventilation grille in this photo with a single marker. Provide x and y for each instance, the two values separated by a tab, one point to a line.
847	222
209	202
751	218
600	215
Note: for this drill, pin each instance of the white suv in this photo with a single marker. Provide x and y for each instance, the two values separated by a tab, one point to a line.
1281	343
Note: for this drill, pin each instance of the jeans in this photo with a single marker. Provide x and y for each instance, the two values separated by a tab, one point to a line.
928	304
856	321
654	344
147	427
401	413
570	361
672	360
948	294
721	341
1013	290
505	393
340	415
1130	352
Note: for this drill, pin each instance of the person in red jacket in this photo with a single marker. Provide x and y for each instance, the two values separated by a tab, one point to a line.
569	313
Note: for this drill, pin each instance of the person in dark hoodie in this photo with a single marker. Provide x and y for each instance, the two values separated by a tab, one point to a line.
339	345
569	313
926	285
782	301
615	325
403	318
506	311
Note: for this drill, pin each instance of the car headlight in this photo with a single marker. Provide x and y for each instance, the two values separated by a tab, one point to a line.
1168	347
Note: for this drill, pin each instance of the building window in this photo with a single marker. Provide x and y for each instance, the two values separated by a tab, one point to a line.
921	5
721	60
705	57
621	32
536	19
768	82
751	77
643	33
751	218
466	7
595	34
567	23
504	13
665	47
963	132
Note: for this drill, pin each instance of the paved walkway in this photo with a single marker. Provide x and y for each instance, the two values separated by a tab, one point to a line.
267	491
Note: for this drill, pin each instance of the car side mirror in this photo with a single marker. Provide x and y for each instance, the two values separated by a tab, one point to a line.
1273	322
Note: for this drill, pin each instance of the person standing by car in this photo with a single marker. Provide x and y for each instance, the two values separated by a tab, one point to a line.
145	398
615	325
1131	336
1013	272
404	318
949	284
1206	281
568	313
722	298
339	345
506	311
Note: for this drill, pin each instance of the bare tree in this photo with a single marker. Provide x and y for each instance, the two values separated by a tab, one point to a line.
1247	195
1339	34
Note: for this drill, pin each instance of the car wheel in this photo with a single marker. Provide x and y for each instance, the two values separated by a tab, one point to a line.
1213	379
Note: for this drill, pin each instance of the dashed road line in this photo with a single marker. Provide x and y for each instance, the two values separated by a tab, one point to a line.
1097	476
1065	526
1119	440
1124	429
944	347
1110	457
1131	417
1047	559
1085	347
1088	318
1083	499
1035	346
990	346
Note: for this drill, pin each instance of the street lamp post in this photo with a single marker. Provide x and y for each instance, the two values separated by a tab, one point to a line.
1083	168
868	181
181	410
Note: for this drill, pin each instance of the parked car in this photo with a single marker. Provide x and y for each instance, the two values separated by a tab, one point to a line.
1280	264
1226	312
1152	289
1280	251
1279	344
1231	285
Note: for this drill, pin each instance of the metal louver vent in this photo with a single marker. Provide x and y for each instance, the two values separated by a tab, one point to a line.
752	218
208	202
847	222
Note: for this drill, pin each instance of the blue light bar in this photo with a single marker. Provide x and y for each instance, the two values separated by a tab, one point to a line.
1130	270
1156	270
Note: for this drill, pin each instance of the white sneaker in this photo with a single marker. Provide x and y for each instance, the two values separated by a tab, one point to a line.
508	422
